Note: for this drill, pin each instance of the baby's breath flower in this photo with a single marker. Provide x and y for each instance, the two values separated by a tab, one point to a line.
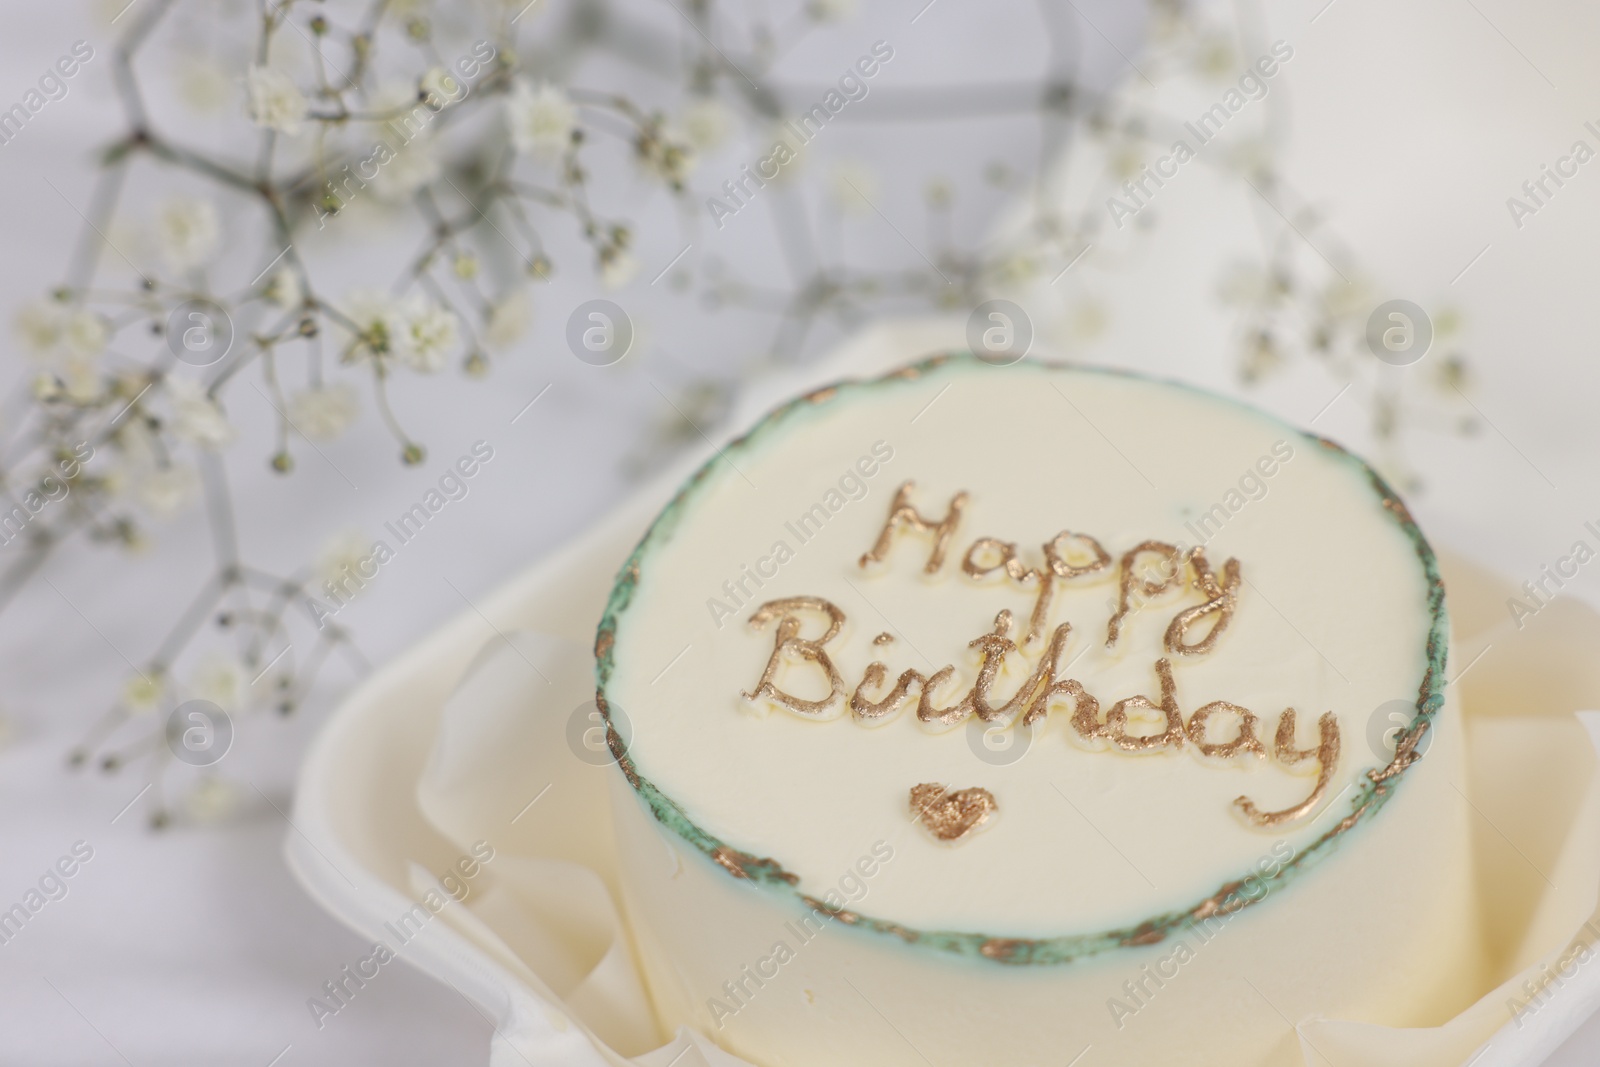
324	413
284	288
412	167
165	491
204	85
276	103
85	335
1245	284
48	328
221	680
38	325
341	556
1347	297
1214	58
831	10
432	334
617	267
1088	319
442	88
80	378
542	119
211	799
143	693
854	187
707	122
188	233
196	418
380	321
508	320
665	153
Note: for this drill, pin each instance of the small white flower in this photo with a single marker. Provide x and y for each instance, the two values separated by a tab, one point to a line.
1245	284
196	418
432	334
48	328
276	103
787	152
707	122
1214	57
342	560
188	233
508	320
324	413
39	325
221	680
854	188
204	85
832	10
380	320
416	333
666	154
542	119
1347	297
1088	319
81	379
165	491
412	167
443	88
1016	269
85	335
617	268
284	289
143	693
211	800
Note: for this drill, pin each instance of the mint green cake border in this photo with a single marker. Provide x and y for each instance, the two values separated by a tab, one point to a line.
1060	949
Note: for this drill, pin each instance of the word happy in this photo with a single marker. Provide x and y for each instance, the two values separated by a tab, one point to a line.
1068	556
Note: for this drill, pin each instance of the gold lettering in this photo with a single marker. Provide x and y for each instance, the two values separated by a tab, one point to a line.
1055	554
993	648
876	711
902	512
1171	565
789	642
1116	726
1245	741
1326	754
1221	600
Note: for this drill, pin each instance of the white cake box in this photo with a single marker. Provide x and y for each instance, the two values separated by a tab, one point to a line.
426	772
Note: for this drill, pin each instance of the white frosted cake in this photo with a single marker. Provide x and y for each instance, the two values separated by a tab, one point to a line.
983	715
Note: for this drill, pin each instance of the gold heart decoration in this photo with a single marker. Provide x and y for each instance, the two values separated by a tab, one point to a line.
950	815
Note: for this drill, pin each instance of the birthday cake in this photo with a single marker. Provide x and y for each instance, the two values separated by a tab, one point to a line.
1017	715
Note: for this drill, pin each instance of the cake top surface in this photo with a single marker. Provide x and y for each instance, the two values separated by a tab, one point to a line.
1039	627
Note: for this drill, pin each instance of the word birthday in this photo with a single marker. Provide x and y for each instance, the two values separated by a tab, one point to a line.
1067	557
